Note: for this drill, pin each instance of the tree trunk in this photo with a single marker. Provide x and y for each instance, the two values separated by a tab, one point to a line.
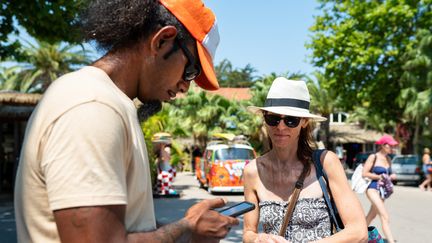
326	127
416	135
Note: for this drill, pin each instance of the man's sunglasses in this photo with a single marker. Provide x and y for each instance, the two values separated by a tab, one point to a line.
192	69
274	120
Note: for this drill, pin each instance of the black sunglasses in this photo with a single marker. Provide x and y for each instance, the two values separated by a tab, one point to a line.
192	69
274	120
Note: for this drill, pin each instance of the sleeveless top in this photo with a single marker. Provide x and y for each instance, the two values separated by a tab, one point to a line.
310	220
378	170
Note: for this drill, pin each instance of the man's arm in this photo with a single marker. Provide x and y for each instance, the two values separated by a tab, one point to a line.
106	224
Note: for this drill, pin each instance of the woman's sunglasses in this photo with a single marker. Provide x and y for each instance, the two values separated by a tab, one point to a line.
274	120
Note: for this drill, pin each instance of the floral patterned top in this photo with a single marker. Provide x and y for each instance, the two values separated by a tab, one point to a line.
310	220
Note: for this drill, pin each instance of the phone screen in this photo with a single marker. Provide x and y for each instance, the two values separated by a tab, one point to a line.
238	209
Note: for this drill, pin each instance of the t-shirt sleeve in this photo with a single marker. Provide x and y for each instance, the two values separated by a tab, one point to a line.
84	158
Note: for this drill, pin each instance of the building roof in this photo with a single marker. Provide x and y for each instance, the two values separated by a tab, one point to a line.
16	98
233	93
228	93
352	133
15	106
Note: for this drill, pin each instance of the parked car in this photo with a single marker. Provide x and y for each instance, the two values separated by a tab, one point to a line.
407	168
221	168
361	157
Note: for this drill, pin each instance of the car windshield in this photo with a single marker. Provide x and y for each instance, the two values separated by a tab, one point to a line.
234	153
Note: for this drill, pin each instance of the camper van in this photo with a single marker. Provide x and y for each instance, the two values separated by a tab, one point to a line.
221	167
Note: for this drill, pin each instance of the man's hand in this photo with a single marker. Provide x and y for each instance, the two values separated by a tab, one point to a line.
206	222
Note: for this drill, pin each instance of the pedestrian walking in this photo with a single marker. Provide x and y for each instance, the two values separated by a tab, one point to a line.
165	172
378	168
426	185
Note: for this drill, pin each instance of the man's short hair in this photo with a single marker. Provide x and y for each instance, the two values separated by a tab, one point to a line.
121	23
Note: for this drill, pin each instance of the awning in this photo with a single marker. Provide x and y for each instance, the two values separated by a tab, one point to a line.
352	133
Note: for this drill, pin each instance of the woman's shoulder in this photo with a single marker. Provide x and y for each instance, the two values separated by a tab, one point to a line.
331	162
254	165
329	156
251	167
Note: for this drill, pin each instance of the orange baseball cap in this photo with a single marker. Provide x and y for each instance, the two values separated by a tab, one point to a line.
201	24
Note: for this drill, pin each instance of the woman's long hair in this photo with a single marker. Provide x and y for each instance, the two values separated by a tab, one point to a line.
305	147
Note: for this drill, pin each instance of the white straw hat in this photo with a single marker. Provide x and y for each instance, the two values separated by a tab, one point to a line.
288	97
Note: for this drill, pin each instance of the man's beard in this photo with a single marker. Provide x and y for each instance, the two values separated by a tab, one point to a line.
148	108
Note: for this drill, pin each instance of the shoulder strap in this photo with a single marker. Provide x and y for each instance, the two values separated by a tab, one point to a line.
373	164
293	202
321	176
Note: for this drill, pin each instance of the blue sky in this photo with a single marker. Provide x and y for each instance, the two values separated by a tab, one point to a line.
270	35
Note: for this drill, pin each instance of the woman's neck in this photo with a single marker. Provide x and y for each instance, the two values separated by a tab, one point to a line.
382	152
284	157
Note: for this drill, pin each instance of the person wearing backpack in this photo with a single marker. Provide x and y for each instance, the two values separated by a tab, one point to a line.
378	168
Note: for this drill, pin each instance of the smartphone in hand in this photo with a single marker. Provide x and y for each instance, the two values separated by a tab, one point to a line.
237	209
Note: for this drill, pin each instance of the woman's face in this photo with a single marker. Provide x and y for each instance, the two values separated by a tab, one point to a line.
283	130
387	149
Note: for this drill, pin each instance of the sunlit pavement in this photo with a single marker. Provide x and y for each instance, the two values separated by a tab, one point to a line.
410	211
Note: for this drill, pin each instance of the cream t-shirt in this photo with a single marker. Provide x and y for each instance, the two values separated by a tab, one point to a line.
83	147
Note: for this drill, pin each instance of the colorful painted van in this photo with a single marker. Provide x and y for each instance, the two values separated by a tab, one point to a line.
221	168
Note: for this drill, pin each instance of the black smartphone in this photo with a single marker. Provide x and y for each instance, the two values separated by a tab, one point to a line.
237	209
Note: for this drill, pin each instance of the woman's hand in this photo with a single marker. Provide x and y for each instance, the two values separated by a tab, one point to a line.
268	238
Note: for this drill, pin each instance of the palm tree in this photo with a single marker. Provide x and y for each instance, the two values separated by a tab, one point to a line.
238	77
45	62
323	102
416	97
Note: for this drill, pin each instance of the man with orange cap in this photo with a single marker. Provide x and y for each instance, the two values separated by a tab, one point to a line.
84	172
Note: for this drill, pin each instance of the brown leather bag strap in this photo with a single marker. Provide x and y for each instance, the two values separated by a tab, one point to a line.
293	201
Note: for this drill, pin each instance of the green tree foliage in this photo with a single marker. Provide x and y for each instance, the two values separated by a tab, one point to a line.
44	63
197	115
360	45
416	96
165	122
47	20
234	77
323	101
202	114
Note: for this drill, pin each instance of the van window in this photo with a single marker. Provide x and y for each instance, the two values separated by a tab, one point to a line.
234	153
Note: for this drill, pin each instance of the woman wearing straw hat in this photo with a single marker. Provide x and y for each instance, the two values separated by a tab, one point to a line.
378	168
270	179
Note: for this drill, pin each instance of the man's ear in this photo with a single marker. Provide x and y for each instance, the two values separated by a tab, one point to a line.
163	39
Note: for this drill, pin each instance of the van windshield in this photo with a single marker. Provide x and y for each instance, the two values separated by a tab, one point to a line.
234	153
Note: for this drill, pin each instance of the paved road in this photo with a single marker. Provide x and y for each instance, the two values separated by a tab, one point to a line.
410	211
